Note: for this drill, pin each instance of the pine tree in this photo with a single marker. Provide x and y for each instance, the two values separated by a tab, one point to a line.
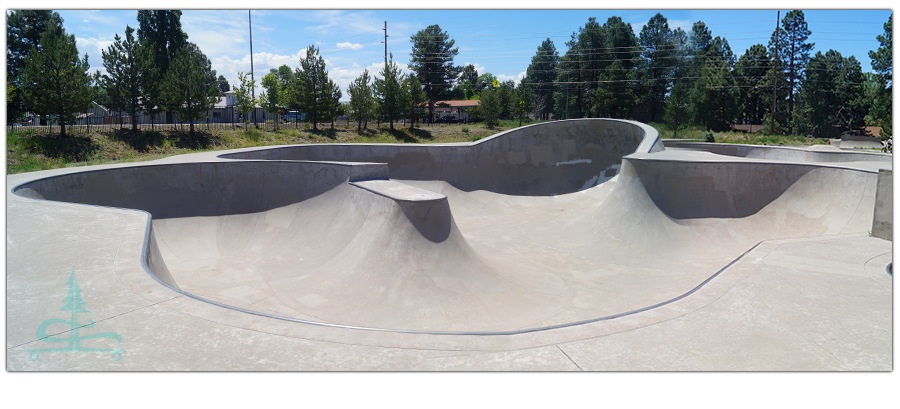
310	88
24	29
387	91
542	72
54	81
189	88
883	63
122	80
656	68
413	98
489	106
159	31
223	84
432	61
751	71
361	100
793	55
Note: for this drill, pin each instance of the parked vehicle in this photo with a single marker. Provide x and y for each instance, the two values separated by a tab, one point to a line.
447	119
293	116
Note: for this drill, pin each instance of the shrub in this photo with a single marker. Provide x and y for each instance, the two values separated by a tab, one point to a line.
465	129
710	137
475	138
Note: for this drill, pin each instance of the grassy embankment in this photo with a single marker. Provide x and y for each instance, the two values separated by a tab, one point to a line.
30	150
696	132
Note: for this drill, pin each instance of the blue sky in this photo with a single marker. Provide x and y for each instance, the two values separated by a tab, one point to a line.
499	41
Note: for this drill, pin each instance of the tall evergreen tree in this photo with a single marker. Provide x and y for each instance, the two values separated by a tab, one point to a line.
54	81
310	88
190	87
160	31
751	71
332	102
657	63
413	97
793	55
615	95
387	91
832	98
466	81
362	100
523	103
223	84
432	61
883	63
489	106
542	73
24	29
122	80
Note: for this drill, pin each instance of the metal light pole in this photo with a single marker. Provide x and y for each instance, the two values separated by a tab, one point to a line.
567	95
252	81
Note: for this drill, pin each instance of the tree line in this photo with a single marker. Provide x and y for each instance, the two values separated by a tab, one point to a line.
158	70
676	77
693	78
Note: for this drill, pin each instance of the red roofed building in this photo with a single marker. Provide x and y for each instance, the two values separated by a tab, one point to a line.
457	110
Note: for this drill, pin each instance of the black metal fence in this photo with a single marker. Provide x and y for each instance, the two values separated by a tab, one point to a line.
218	118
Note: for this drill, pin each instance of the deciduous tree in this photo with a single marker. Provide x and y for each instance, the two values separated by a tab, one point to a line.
271	98
243	97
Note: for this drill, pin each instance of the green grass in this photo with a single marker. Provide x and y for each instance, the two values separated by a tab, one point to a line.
29	150
696	132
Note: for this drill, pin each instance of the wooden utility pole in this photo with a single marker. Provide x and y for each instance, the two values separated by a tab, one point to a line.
774	75
385	44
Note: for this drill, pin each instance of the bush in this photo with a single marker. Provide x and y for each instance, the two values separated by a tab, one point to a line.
710	136
475	138
465	129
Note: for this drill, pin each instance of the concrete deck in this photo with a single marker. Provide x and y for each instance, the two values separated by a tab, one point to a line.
539	248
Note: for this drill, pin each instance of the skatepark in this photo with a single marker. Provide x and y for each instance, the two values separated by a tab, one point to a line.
585	244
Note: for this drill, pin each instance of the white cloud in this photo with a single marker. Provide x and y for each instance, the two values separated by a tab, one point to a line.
349	46
478	67
93	48
216	32
516	78
85	21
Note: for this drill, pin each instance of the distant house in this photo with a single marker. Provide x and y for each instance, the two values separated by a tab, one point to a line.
748	128
226	111
457	109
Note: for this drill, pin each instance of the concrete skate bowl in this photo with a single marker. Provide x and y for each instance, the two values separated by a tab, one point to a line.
346	244
815	153
537	160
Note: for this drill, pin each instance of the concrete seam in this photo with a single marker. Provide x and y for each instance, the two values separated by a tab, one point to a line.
95	322
570	358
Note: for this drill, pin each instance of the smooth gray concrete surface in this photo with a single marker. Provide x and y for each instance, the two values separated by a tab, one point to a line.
883	222
312	258
814	153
